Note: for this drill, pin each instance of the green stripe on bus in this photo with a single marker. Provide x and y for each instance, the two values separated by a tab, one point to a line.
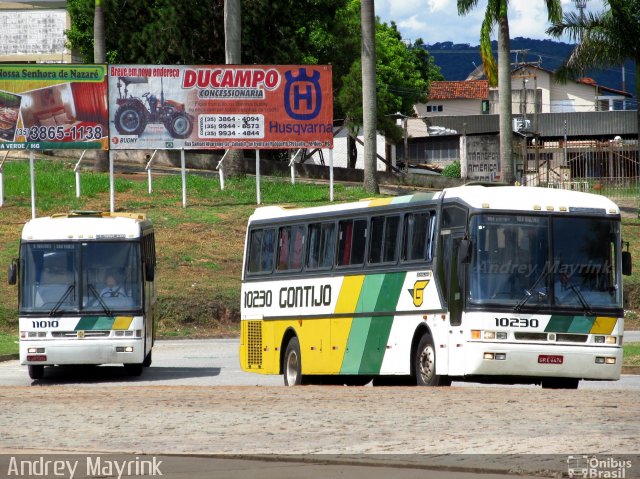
569	324
360	326
92	323
380	328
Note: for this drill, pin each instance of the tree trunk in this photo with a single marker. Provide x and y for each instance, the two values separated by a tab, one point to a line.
234	162
101	163
369	113
507	172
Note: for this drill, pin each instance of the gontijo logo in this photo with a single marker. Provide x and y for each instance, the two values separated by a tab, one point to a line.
302	95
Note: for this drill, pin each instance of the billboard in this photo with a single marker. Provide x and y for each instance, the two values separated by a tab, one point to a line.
53	106
220	107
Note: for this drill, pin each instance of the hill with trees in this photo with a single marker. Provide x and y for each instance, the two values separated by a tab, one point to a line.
458	60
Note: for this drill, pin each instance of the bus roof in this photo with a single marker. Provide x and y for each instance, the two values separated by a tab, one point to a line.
85	225
514	198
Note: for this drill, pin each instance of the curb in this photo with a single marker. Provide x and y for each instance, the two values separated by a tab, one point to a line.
8	357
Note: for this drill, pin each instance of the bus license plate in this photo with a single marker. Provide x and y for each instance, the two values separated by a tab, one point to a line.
550	359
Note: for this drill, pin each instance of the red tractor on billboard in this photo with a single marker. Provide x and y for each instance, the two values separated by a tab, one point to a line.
132	115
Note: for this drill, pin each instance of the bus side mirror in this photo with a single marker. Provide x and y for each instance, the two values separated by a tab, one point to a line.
149	272
464	252
12	273
626	263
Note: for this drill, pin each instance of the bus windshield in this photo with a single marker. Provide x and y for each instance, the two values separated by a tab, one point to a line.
73	278
545	262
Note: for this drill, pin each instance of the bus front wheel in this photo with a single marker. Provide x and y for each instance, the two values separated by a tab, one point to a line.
425	364
36	371
133	369
292	367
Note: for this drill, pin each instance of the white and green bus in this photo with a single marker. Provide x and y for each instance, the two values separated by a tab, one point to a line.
86	291
487	284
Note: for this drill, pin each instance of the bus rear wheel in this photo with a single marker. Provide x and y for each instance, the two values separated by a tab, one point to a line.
36	371
425	364
292	367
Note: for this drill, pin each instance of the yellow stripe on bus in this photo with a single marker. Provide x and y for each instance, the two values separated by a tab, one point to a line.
603	325
380	202
122	322
340	327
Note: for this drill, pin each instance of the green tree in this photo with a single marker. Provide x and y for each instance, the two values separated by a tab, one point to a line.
497	14
603	39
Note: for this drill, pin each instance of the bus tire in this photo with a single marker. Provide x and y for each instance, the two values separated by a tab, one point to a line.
133	369
560	383
425	364
292	364
36	371
147	360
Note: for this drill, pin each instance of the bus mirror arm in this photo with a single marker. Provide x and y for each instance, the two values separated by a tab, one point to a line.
464	252
626	263
149	272
12	273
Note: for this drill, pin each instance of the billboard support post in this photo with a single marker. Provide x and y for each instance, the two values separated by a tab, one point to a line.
32	175
2	179
112	197
148	168
258	175
184	178
330	174
76	170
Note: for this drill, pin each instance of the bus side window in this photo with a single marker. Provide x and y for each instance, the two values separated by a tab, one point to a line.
384	239
352	238
418	236
322	244
290	248
261	251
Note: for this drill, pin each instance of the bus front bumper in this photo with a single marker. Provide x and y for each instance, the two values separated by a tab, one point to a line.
584	362
102	351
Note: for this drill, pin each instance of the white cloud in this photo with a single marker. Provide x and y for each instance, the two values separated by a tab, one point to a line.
438	20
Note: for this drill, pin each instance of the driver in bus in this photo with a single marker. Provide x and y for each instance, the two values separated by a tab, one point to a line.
113	288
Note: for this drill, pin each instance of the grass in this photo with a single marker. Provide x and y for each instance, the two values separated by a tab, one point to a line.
8	344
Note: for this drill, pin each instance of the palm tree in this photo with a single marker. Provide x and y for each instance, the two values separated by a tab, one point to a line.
604	39
234	162
369	113
496	13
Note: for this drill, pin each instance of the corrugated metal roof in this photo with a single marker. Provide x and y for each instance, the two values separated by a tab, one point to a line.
583	124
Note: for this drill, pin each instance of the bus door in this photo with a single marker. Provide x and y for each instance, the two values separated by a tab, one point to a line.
453	262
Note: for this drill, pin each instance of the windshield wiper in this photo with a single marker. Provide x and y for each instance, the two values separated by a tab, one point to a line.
528	292
585	305
94	291
66	294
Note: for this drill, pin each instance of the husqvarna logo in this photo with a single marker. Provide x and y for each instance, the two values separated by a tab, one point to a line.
302	95
418	292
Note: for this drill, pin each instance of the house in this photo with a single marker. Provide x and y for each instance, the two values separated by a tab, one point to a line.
33	31
449	98
534	90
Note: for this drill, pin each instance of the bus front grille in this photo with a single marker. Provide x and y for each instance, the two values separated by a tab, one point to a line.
254	344
84	334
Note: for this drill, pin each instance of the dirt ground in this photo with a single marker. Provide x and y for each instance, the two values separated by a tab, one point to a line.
511	429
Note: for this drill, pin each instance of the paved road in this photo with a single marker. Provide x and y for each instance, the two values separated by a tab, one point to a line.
203	362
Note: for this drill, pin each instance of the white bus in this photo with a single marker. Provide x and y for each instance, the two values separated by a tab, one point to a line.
86	291
487	284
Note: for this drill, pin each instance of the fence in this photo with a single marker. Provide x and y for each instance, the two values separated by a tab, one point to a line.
610	168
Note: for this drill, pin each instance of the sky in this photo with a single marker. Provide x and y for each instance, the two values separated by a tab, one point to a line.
438	20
